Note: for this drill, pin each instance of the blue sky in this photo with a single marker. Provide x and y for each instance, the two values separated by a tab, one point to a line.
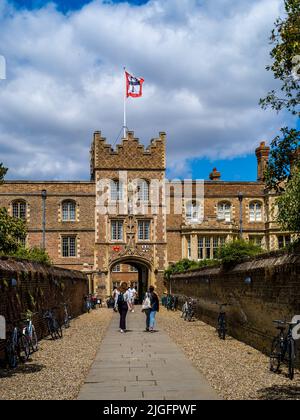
204	68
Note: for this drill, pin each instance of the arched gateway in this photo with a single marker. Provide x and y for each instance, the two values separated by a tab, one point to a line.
130	216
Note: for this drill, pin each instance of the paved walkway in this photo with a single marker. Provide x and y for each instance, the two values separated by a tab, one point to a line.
142	366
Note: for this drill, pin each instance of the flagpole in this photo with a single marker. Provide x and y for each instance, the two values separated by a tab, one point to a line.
125	98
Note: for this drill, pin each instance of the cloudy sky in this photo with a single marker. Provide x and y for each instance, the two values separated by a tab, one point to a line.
203	63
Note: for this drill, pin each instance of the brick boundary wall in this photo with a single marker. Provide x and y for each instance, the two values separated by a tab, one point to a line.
273	293
31	286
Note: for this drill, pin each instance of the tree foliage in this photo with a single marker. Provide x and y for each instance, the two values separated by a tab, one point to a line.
235	251
3	172
12	230
186	264
283	158
285	54
32	254
289	205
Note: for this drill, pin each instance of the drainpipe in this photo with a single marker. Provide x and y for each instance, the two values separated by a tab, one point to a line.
44	197
241	197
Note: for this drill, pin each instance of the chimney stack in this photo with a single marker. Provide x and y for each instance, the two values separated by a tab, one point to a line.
215	175
262	154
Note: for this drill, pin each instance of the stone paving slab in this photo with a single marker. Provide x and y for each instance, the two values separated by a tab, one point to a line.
142	366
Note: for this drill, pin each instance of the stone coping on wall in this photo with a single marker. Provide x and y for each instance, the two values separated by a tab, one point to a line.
14	265
263	261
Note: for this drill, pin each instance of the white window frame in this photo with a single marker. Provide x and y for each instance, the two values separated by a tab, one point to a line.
224	211
193	212
255	212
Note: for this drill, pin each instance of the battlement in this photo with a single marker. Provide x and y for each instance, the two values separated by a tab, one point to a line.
129	155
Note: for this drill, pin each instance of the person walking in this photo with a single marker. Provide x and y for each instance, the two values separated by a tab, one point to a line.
146	308
132	296
122	302
154	308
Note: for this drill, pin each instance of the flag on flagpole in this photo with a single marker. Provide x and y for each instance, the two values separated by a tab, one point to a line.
134	86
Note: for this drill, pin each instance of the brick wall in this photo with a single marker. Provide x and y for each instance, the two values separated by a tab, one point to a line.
38	288
274	293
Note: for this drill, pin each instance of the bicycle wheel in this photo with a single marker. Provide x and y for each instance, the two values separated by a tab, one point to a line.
51	329
11	355
275	356
292	357
23	348
58	330
34	340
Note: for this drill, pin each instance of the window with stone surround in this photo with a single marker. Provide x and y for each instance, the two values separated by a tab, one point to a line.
256	239
117	230
116	190
144	230
193	212
208	246
19	209
283	241
68	211
69	246
143	190
255	211
224	211
189	247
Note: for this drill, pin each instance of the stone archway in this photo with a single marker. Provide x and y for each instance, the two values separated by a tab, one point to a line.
144	271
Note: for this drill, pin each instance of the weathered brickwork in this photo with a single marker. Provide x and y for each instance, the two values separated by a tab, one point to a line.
34	287
79	235
258	291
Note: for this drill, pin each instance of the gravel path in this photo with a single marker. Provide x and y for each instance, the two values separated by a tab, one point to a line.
58	369
236	371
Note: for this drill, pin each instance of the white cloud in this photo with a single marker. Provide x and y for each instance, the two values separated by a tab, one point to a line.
204	70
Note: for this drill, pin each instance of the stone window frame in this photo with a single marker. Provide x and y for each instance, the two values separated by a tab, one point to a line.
77	245
224	219
116	193
208	242
149	221
256	202
116	220
142	192
61	211
200	211
18	202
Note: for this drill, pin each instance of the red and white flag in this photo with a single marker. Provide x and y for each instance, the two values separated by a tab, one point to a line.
134	86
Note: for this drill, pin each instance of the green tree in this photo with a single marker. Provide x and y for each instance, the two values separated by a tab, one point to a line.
3	172
286	59
12	230
289	205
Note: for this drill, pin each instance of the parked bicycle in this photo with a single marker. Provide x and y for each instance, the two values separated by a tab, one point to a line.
222	321
30	332
188	311
17	348
283	349
67	317
54	327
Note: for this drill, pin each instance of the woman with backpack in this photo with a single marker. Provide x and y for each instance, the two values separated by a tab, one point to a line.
122	303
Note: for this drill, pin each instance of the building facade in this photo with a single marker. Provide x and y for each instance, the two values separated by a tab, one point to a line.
128	223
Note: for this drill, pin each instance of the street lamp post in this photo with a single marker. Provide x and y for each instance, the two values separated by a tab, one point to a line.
241	197
44	197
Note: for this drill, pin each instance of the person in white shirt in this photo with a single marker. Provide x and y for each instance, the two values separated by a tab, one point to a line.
132	295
